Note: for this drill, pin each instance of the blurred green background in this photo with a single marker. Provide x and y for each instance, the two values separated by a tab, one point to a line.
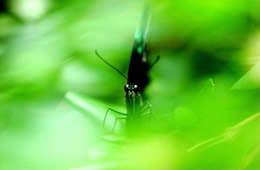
54	91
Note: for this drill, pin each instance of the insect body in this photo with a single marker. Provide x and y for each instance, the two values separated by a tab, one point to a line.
138	111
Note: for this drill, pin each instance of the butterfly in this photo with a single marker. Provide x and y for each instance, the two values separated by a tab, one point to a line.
137	111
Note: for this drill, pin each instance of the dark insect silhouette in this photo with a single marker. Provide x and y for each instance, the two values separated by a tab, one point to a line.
138	111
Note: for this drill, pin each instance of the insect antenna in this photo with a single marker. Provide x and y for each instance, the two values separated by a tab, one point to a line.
110	65
155	61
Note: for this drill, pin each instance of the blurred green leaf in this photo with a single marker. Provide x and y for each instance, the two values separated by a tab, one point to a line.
251	80
54	91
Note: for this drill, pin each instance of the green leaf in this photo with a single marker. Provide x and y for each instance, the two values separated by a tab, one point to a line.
251	80
94	110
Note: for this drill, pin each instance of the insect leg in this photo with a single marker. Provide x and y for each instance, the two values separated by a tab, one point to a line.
118	118
145	107
145	110
145	116
109	109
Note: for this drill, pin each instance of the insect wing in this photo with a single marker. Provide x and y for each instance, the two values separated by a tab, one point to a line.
138	67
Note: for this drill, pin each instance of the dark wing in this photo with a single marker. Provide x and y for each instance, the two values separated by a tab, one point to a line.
139	67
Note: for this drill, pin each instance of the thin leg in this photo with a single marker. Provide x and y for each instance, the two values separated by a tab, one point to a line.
144	107
146	110
143	111
109	109
118	118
